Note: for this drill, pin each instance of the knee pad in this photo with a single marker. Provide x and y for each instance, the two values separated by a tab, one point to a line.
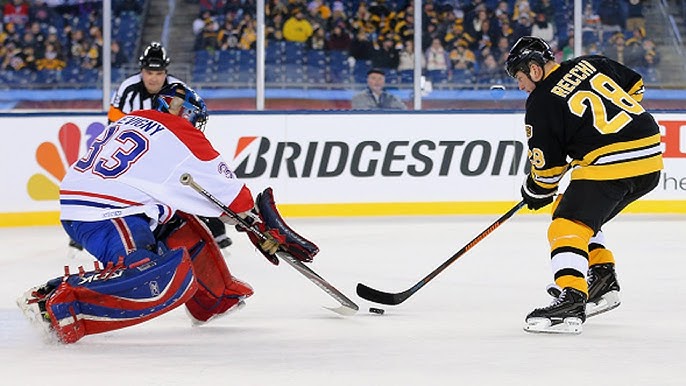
218	290
120	295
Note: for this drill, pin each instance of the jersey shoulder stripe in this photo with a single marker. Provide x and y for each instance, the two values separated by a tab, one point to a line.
192	138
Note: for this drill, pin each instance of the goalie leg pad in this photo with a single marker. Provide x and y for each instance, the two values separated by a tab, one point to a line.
120	296
293	243
218	290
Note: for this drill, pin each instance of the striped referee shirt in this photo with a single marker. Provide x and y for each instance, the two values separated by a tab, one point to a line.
132	95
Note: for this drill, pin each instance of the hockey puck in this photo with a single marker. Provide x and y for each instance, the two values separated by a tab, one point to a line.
377	311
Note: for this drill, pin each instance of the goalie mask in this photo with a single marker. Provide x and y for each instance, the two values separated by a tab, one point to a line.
154	57
181	100
527	49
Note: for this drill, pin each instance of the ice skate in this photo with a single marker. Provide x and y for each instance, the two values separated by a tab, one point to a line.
32	305
603	289
565	315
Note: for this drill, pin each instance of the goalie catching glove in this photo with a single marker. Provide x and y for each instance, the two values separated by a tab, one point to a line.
535	196
277	234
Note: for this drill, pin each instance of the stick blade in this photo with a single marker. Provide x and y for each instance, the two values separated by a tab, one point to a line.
343	310
380	297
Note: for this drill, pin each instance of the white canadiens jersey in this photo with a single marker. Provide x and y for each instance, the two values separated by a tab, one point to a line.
134	167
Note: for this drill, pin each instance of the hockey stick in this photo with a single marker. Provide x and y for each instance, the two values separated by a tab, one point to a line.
347	308
392	299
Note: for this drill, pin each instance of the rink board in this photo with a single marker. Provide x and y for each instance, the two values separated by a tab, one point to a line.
330	164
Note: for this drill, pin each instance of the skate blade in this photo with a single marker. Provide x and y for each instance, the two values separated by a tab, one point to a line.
607	302
545	326
33	314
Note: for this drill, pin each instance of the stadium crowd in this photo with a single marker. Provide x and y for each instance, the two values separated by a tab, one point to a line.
464	41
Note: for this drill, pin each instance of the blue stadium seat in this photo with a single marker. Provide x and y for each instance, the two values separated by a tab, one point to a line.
406	76
316	58
360	70
273	53
293	73
437	76
293	53
392	77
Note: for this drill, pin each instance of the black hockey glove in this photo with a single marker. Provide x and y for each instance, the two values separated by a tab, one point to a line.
535	196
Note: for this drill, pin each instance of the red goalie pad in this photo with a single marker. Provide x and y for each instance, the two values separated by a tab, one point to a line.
120	296
218	291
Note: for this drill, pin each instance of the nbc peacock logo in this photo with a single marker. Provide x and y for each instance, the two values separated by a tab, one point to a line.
54	159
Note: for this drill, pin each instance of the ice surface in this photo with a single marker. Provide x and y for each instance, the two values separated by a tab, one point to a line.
463	328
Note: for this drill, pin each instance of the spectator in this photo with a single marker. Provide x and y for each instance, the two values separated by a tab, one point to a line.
248	35
315	15
339	39
568	50
42	14
611	18
522	26
374	97
547	8
297	28
28	56
274	27
616	49
318	39
462	58
490	72
117	57
338	16
387	55
227	37
542	28
360	47
208	37
635	17
501	50
407	57
200	22
51	59
633	51
13	59
436	56
275	7
16	12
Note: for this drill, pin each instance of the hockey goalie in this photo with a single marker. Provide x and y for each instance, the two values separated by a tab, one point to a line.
123	202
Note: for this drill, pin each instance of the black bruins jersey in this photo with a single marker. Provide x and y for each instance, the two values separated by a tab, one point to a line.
586	116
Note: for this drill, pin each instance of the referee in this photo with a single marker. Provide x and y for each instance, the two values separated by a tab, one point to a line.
137	91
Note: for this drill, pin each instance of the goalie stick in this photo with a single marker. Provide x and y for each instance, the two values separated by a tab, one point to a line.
392	299
347	308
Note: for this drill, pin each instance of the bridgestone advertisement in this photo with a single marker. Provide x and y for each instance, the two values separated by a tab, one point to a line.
410	163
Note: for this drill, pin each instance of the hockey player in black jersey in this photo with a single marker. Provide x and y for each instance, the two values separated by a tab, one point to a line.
583	116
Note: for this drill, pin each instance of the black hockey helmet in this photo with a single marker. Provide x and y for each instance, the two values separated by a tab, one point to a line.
154	57
526	49
179	96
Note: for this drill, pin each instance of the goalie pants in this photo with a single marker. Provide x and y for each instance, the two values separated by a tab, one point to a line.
107	240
